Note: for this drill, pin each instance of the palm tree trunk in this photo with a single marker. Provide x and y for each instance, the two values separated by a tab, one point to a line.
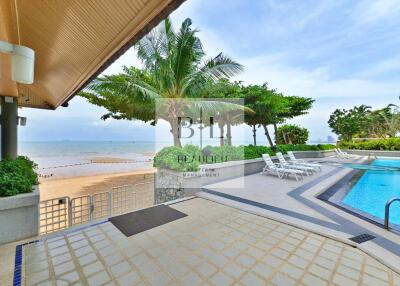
229	133
254	135
276	134
268	136
221	135
175	135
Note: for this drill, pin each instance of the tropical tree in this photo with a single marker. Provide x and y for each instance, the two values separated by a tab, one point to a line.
349	123
174	69
383	122
267	105
226	91
293	106
392	119
292	134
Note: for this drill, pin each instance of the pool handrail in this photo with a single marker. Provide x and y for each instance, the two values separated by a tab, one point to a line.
387	208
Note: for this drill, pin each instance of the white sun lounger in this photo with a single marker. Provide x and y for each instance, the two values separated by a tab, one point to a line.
302	162
345	153
341	155
272	168
307	170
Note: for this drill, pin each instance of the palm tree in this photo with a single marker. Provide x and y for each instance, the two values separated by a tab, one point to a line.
174	69
383	122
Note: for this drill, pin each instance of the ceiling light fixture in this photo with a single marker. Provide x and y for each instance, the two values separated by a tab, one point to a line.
22	62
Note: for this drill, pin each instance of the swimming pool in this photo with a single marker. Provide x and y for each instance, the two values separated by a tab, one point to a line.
375	188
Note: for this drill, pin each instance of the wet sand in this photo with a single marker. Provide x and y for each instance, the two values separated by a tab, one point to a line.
80	186
63	167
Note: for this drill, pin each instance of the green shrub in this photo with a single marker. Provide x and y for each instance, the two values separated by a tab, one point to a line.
17	176
385	144
178	159
226	153
323	147
189	158
292	134
253	152
303	147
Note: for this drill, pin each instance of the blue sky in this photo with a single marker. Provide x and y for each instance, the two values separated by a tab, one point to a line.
341	53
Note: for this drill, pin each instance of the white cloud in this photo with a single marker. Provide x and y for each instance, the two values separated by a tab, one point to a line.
369	11
298	48
296	17
315	83
382	67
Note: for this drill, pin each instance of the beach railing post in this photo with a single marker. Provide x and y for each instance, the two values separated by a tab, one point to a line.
69	204
135	200
110	203
91	208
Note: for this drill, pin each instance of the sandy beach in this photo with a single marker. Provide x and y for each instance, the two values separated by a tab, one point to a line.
79	168
85	185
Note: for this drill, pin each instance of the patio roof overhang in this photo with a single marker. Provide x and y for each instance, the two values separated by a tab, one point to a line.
73	40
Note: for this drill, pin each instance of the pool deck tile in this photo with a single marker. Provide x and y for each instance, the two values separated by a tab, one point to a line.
296	203
199	254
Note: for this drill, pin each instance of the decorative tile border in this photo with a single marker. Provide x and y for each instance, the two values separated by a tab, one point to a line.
17	281
18	262
17	266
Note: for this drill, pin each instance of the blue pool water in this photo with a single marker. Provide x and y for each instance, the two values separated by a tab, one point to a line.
375	188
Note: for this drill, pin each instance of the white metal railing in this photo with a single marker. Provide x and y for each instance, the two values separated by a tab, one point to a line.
61	213
53	215
123	199
80	210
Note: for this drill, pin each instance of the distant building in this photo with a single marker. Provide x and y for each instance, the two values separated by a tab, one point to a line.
330	139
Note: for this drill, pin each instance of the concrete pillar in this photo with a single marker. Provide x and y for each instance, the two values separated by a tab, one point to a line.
9	130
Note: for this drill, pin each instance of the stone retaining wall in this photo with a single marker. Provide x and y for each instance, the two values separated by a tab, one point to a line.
170	185
374	152
19	216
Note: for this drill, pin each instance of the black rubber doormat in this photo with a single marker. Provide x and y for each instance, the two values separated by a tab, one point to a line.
362	238
139	221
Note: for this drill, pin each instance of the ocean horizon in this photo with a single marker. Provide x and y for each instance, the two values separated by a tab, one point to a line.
76	148
71	148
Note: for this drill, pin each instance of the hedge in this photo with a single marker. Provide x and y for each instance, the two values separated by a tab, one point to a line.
17	176
387	144
190	157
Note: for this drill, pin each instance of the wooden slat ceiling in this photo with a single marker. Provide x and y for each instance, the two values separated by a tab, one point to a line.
74	40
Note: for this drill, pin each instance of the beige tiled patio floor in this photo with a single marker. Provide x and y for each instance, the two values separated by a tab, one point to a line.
213	245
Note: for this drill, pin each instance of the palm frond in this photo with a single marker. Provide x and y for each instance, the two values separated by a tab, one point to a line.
221	67
123	85
189	52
